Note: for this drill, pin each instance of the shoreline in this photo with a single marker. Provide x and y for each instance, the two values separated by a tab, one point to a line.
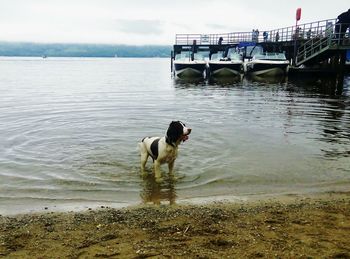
10	208
289	226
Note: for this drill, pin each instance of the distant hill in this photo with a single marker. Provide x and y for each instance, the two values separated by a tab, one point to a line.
81	50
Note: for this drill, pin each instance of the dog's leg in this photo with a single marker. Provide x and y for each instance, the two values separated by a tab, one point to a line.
171	167
157	172
144	157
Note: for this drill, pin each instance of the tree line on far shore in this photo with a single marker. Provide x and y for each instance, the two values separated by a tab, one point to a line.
25	49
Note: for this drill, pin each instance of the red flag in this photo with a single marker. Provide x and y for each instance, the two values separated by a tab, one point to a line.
298	14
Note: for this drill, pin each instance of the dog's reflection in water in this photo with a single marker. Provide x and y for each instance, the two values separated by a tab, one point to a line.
158	192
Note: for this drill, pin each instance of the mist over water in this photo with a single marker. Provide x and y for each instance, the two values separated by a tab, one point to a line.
70	127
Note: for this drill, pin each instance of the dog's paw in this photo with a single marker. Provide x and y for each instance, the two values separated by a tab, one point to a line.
144	173
159	179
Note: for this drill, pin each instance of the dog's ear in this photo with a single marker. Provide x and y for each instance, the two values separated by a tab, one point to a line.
174	131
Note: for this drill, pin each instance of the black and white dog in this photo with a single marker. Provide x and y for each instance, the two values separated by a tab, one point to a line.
163	149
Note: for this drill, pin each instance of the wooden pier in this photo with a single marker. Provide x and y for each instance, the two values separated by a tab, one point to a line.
312	47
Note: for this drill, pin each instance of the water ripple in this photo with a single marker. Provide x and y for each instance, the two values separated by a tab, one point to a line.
70	129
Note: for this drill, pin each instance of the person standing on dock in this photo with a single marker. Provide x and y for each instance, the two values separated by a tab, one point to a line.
265	35
257	35
308	34
220	41
277	38
342	24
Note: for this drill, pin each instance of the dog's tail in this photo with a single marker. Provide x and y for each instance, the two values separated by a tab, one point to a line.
141	146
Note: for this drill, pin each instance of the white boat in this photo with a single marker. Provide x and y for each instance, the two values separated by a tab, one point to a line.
267	64
187	64
226	65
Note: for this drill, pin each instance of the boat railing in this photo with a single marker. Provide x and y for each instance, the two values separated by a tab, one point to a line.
304	31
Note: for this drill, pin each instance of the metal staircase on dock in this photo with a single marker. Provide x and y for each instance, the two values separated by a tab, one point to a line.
317	47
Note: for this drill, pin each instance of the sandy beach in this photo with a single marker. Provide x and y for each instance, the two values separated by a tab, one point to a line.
284	227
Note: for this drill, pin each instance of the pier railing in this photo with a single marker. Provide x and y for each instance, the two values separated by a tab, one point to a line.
301	32
212	39
332	36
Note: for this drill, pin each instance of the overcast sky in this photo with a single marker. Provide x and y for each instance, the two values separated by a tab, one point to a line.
150	21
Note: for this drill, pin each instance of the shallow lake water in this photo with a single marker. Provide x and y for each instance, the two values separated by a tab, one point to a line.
70	127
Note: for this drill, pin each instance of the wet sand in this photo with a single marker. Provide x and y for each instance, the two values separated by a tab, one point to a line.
284	227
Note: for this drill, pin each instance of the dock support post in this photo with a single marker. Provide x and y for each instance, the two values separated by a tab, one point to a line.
340	72
171	61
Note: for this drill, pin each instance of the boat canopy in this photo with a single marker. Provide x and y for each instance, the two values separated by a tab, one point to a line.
243	44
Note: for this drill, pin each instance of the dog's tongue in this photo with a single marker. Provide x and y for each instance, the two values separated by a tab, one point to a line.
185	138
